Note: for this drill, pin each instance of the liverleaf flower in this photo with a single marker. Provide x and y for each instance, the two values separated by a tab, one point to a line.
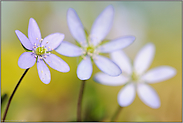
39	50
90	45
136	78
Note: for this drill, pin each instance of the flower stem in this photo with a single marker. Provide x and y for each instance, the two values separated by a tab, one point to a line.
115	116
9	101
80	101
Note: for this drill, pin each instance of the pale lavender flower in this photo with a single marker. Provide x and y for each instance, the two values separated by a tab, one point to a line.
136	78
39	50
90	46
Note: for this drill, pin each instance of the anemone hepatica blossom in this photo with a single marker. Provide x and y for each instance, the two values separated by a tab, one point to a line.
90	45
39	50
135	78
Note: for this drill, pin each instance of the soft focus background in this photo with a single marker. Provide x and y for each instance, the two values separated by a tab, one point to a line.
156	22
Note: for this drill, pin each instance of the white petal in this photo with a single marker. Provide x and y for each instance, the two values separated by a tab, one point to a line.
148	95
122	60
116	44
24	40
102	25
144	58
34	33
43	71
69	49
57	63
75	26
84	70
126	95
26	60
159	74
107	66
52	41
105	79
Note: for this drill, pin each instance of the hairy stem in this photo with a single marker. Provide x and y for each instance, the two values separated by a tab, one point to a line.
9	101
80	101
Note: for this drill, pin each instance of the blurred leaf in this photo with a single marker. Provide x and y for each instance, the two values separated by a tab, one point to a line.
3	98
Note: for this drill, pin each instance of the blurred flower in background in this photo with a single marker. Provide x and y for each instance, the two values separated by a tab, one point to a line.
90	45
135	78
156	22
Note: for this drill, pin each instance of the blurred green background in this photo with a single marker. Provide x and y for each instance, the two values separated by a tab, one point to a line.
156	22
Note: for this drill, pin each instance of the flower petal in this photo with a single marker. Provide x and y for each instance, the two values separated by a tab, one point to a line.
57	63
116	44
69	49
144	58
26	60
107	66
34	33
102	25
52	41
105	79
84	70
24	40
122	60
75	26
126	95
43	71
148	95
159	74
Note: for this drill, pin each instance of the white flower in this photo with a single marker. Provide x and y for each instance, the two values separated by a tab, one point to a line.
90	46
135	78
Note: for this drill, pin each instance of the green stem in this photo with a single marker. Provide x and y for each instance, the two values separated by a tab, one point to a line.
80	101
9	101
115	116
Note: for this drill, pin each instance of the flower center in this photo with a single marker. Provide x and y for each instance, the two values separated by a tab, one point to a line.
40	51
135	77
90	49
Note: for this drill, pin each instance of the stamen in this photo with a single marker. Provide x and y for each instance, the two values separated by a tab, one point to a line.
35	56
42	71
90	54
49	62
36	38
95	58
83	57
89	42
40	40
46	42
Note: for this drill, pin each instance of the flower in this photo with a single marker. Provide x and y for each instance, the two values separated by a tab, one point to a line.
39	50
90	46
135	78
